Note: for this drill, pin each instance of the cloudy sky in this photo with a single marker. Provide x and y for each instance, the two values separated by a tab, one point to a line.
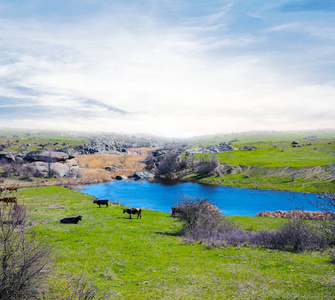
167	67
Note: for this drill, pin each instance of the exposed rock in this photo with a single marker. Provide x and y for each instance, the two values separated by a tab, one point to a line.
222	147
158	153
121	177
58	169
143	176
294	143
111	169
46	156
7	156
250	148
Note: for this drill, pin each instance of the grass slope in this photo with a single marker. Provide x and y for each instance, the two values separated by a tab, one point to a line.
144	259
275	164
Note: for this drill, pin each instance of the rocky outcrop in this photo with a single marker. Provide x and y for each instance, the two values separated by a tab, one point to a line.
121	177
143	176
248	148
111	169
222	147
7	157
46	156
56	170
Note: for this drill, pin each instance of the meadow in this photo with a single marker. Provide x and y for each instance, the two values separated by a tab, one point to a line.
275	164
146	259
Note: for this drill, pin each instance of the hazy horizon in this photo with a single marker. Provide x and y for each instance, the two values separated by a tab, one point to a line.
169	68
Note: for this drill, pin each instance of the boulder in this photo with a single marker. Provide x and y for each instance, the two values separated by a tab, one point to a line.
222	147
111	169
46	156
143	175
58	169
7	156
250	148
121	177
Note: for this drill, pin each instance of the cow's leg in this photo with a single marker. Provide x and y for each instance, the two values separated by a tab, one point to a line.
106	204
129	216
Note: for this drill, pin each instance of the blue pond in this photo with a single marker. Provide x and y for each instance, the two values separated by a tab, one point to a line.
232	201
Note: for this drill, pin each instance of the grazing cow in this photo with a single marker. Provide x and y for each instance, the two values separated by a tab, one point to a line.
71	220
134	211
1	190
12	188
101	202
176	210
9	200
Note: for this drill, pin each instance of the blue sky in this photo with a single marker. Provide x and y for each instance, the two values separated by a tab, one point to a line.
172	68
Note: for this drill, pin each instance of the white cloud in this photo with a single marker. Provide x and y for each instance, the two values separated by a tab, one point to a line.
172	79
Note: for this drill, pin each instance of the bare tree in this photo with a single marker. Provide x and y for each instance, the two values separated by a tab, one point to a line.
23	258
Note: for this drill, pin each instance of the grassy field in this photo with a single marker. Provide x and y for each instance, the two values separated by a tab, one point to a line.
275	164
18	140
145	259
245	138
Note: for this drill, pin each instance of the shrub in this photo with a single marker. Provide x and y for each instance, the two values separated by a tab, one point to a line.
193	211
206	167
295	235
168	164
200	222
23	258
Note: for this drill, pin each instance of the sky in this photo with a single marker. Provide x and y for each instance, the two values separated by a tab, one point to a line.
174	68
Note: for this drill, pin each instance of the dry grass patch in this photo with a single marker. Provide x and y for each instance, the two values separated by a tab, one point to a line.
93	166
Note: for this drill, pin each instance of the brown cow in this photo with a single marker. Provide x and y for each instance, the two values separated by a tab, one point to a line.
9	200
12	188
134	211
1	190
176	210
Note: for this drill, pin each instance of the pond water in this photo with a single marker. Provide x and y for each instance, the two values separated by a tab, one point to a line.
231	200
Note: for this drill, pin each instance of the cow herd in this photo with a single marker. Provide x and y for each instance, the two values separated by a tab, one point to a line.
8	199
74	220
130	211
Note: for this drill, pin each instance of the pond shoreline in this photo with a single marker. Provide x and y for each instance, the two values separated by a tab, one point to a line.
230	200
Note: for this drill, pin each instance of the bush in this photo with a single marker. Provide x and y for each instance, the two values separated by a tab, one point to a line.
23	258
295	235
168	164
193	211
200	222
206	167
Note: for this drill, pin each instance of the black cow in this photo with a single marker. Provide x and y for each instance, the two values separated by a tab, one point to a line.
101	202
134	211
71	220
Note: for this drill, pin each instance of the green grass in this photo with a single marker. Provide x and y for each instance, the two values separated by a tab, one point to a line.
246	138
258	179
144	259
276	164
21	138
283	155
